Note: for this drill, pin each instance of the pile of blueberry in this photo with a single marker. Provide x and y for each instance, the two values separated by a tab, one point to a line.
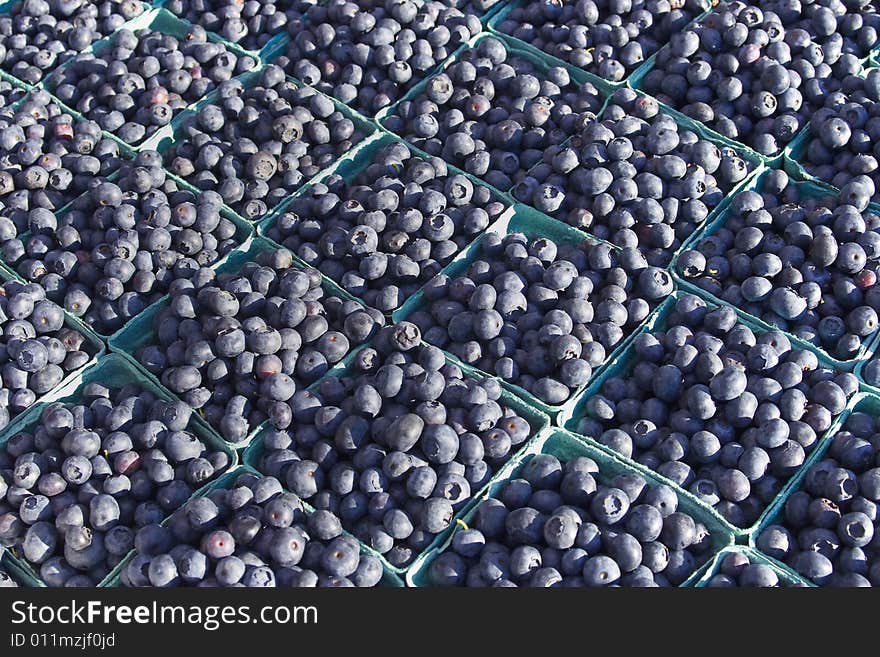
257	145
121	245
737	570
538	314
728	413
47	159
38	35
135	84
397	445
562	523
78	483
827	529
248	23
37	351
240	346
494	112
635	178
369	53
757	73
253	534
806	264
841	145
610	38
385	233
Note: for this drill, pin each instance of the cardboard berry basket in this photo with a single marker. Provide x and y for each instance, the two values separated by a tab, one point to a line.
349	167
519	219
622	366
503	14
866	402
244	233
808	190
113	371
538	422
156	20
92	345
169	136
566	446
226	482
515	49
756	165
6	7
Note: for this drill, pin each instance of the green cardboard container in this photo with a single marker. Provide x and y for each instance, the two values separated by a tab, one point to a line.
623	363
140	332
866	402
522	219
566	446
809	190
757	165
157	20
514	47
502	14
226	481
110	370
172	134
350	167
93	345
538	421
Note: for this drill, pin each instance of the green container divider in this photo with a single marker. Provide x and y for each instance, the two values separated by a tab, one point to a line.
113	371
537	419
864	402
523	219
809	190
171	135
159	20
623	364
871	355
139	332
349	167
792	157
514	47
15	82
226	480
14	568
93	345
565	446
787	577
